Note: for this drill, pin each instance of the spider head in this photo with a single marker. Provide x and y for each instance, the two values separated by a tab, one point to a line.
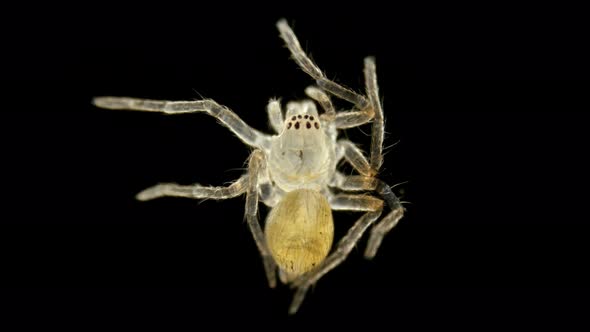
302	116
302	155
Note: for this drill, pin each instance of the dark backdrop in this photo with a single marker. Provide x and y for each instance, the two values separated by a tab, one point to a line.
486	103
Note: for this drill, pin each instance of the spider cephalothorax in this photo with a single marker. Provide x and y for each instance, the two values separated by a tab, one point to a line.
303	154
294	172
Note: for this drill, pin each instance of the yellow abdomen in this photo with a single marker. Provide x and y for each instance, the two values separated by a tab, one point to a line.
299	231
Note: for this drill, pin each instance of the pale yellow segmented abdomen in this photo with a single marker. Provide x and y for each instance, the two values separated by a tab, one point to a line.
299	231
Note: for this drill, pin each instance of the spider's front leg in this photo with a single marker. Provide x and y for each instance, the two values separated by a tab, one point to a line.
228	118
341	120
312	70
367	107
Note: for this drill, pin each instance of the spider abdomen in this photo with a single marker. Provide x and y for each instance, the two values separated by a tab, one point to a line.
299	231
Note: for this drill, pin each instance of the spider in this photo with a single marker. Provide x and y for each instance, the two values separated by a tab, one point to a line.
294	172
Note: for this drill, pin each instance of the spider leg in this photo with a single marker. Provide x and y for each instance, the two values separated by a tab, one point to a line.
373	113
195	191
353	182
341	120
375	162
364	183
312	70
381	229
344	246
376	159
228	118
324	100
275	115
348	202
351	152
254	169
367	109
353	155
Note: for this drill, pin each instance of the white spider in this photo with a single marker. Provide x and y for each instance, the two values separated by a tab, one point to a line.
294	173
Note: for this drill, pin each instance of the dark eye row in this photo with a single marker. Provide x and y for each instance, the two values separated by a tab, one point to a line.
308	125
295	117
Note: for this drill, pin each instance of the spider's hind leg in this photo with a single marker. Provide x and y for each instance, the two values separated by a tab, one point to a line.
381	229
344	247
366	183
373	207
254	169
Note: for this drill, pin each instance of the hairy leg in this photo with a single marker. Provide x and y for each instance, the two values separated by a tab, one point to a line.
381	229
343	248
342	120
373	206
348	202
354	156
254	169
324	100
363	183
228	118
195	191
376	159
353	182
363	105
366	181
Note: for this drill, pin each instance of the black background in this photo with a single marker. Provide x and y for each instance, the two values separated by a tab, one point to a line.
486	103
